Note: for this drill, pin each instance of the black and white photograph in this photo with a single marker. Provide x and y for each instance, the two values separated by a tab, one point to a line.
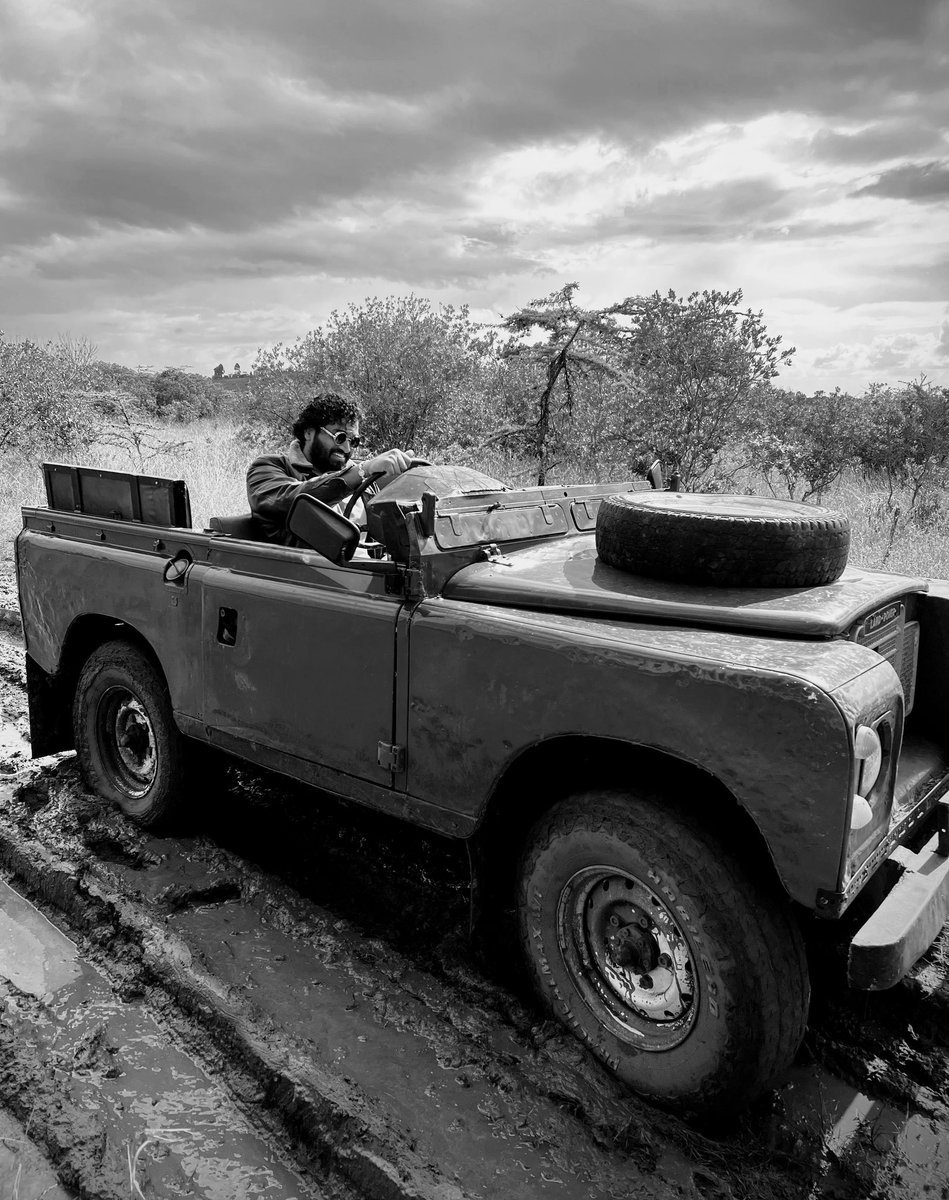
474	600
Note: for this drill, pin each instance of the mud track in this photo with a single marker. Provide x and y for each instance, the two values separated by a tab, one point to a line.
283	1000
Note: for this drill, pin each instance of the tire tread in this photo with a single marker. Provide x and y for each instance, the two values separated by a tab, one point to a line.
769	932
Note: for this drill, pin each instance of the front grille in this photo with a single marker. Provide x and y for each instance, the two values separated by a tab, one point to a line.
887	632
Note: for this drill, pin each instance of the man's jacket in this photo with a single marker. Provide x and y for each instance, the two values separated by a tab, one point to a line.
275	480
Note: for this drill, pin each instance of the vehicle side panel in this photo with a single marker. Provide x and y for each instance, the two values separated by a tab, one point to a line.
487	683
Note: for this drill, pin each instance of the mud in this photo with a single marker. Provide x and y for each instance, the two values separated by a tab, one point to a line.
291	983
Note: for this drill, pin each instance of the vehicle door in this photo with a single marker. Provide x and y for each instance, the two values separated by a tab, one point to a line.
299	654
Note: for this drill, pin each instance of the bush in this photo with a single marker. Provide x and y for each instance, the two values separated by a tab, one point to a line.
800	444
424	376
183	396
902	437
46	396
701	365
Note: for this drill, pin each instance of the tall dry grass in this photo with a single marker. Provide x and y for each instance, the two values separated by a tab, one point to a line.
212	456
207	454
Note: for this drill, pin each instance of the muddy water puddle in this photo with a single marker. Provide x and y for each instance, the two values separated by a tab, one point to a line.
35	956
857	1144
165	1125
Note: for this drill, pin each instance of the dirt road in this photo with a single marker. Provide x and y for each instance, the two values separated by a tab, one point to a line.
282	1001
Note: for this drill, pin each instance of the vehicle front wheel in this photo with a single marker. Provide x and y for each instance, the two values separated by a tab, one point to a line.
130	750
645	937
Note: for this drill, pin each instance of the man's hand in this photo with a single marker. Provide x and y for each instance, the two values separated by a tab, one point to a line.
391	464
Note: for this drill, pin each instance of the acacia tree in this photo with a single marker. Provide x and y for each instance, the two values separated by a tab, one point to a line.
700	364
573	348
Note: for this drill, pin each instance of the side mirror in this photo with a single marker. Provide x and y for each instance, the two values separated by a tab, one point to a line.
323	529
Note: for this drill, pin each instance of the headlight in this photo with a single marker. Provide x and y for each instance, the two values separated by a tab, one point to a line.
868	750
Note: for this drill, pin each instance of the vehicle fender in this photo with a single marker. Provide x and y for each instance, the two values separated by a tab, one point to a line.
760	715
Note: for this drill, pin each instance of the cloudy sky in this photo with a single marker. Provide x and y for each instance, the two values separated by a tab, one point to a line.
183	181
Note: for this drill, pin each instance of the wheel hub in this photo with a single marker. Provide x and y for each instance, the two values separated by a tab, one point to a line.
629	957
135	739
633	946
126	727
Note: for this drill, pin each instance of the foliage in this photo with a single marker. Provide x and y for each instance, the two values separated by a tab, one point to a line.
571	354
903	436
651	377
45	399
183	396
424	376
700	364
557	391
119	392
800	444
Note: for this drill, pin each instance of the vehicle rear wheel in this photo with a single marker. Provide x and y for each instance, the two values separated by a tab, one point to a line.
130	750
647	939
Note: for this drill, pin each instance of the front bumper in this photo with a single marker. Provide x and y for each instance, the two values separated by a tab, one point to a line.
909	919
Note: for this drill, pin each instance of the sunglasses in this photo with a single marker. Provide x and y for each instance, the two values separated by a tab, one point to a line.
341	437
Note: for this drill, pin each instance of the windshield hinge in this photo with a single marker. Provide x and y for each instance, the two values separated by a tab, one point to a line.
391	758
492	554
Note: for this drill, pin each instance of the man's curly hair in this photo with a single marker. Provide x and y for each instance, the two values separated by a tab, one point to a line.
326	408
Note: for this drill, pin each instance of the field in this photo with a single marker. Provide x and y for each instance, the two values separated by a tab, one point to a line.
211	455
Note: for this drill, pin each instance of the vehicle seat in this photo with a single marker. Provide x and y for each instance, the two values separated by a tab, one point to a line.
245	526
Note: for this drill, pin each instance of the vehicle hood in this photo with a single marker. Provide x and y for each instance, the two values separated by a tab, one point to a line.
566	576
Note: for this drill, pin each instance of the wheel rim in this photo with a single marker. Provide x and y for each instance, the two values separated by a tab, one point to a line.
628	957
127	739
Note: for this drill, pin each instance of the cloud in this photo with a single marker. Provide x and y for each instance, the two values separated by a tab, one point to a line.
898	357
154	158
924	183
878	142
942	346
228	115
869	19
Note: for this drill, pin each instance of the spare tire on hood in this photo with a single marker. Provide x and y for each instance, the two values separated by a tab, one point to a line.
722	540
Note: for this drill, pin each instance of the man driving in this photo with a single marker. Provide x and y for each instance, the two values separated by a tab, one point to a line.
319	462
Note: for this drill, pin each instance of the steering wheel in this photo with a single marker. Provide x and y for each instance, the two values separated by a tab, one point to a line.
363	487
367	483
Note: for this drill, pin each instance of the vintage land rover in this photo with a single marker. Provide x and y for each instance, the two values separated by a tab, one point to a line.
678	730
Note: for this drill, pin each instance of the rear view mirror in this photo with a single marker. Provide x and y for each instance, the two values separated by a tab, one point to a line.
323	529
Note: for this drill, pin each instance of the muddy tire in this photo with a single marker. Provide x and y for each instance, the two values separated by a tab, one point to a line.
722	540
130	750
646	938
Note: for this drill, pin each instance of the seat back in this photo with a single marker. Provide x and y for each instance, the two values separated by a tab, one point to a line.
245	526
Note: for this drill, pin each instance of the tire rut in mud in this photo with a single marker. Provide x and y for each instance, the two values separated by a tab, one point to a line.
319	1124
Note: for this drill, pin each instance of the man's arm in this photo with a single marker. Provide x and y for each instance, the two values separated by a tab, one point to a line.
271	490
